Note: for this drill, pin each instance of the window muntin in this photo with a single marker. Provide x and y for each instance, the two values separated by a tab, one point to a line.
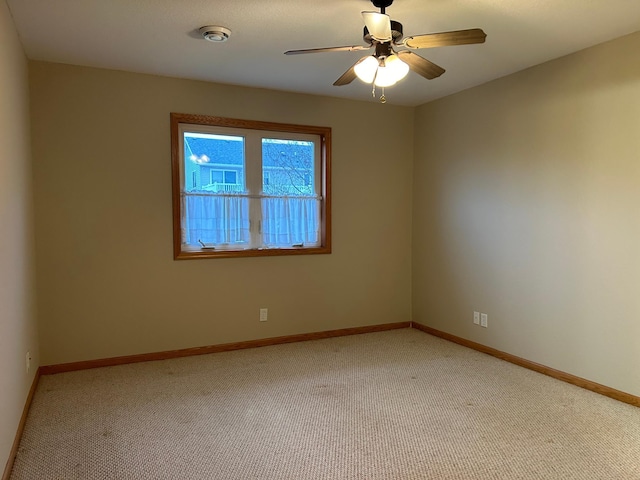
256	188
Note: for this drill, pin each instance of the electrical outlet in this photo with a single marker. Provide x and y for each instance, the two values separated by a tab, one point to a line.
484	320
476	318
264	314
28	361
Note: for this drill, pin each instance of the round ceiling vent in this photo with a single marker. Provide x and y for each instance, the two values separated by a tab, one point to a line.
215	34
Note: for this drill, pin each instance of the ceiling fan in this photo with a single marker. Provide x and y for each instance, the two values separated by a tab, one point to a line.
388	65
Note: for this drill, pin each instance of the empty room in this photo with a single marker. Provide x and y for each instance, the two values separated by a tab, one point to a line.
319	240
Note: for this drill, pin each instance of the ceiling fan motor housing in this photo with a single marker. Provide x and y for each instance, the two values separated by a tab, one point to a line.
382	3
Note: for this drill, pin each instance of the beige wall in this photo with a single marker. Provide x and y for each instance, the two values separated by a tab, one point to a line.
526	207
107	281
17	316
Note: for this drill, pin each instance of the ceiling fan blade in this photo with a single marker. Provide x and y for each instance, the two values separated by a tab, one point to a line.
329	49
348	76
444	39
421	66
378	24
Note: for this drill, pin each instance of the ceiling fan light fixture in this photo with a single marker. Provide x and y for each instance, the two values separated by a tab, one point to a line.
366	69
384	78
379	25
391	72
384	73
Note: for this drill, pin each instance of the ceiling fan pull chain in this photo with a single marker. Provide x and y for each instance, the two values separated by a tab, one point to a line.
383	99
373	84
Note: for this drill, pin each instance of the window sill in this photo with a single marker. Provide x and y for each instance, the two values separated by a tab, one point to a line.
257	252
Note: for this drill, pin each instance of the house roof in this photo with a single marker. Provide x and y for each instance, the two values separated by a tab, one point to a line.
230	152
224	152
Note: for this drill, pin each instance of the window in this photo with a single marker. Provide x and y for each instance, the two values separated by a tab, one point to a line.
225	177
255	188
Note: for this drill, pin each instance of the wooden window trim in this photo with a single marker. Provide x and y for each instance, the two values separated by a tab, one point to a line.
325	162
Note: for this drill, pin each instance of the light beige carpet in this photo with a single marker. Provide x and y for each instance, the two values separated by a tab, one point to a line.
391	405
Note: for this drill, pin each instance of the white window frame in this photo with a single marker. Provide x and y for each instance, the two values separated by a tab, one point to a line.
253	132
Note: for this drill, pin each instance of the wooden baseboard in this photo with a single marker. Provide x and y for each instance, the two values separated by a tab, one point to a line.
557	374
16	442
226	347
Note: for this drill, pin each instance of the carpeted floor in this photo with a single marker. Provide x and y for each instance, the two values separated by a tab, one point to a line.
391	405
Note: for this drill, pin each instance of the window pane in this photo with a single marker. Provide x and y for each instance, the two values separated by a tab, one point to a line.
287	167
216	176
213	160
213	214
216	220
230	177
291	220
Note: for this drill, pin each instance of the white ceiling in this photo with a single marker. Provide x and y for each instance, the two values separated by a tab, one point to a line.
160	37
